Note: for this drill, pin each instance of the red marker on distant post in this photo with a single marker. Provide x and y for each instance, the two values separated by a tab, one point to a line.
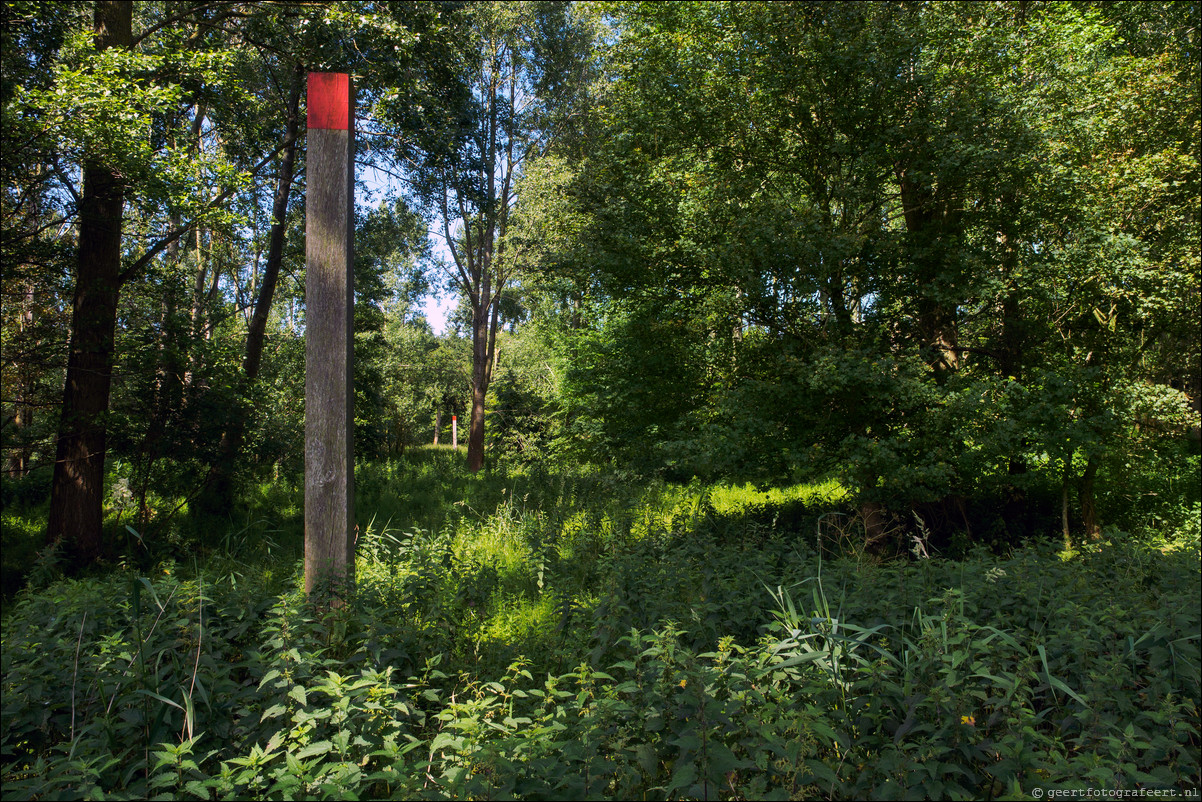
329	304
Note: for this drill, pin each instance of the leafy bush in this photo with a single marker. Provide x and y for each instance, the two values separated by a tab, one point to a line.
582	638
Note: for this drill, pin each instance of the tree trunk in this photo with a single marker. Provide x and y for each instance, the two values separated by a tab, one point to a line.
1089	507
77	490
930	226
19	457
1010	348
480	364
218	495
196	321
256	334
156	428
1068	538
485	303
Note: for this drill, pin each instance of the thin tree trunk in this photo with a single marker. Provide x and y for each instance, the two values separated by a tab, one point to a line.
256	334
168	362
493	351
19	457
481	321
929	227
198	286
1068	539
77	489
22	451
1089	507
475	436
198	291
150	448
219	491
1010	347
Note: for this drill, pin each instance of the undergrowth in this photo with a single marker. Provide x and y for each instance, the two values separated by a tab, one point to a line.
545	637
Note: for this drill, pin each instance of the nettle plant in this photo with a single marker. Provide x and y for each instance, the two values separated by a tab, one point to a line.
771	673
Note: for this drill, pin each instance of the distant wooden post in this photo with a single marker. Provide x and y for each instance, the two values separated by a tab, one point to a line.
454	431
329	304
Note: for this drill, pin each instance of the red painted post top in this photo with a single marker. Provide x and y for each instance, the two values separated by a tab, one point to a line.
329	100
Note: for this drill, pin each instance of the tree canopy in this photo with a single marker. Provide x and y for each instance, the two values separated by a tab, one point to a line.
816	415
945	251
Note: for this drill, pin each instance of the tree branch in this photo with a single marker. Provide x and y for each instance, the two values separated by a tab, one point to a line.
170	20
171	237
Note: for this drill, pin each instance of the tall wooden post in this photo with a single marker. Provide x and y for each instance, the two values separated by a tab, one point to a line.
329	302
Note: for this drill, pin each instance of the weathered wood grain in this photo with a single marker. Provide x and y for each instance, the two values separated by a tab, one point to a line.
329	302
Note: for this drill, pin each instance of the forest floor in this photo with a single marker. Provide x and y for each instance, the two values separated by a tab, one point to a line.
527	634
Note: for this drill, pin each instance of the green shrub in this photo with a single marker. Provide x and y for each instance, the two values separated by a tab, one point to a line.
578	637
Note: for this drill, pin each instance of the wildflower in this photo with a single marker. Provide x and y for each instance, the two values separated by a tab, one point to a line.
684	682
969	720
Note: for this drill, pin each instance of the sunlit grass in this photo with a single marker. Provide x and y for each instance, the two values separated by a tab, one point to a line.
514	628
732	499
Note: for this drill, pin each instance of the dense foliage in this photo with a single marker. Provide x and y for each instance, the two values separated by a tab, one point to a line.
571	637
789	339
887	239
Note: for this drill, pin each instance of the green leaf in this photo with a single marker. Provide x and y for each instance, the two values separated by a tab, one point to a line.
682	777
647	758
445	740
197	789
273	711
821	771
159	697
314	749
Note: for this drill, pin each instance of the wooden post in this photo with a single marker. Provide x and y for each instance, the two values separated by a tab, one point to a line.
329	300
454	431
